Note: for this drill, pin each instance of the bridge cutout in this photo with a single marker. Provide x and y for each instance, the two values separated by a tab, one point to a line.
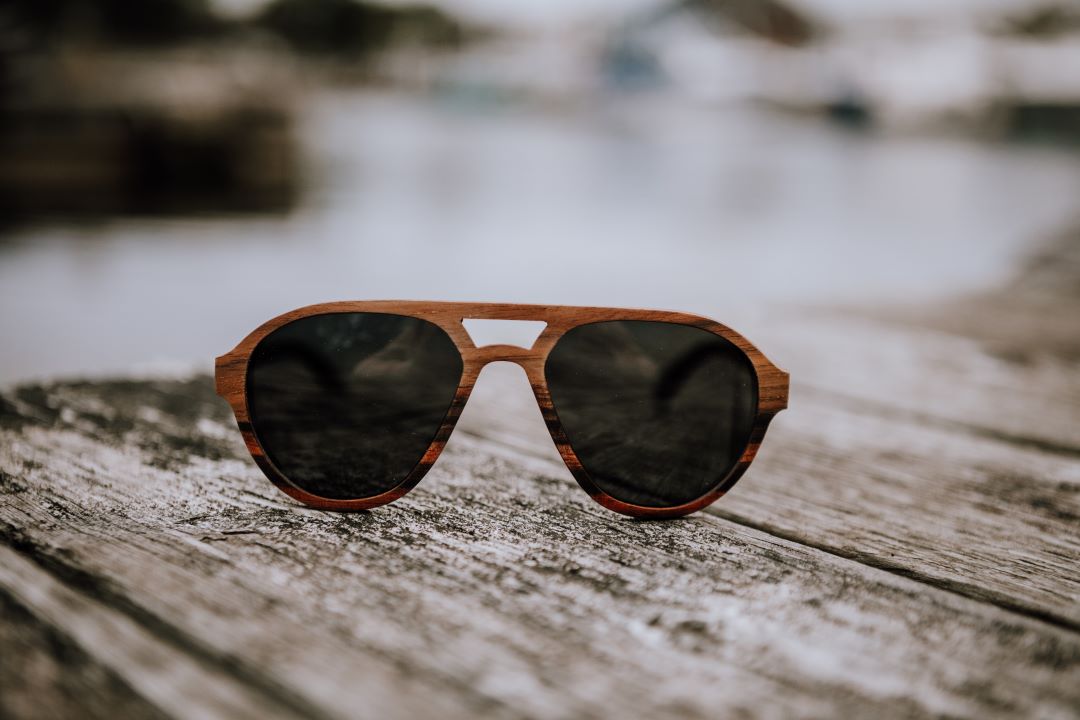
522	333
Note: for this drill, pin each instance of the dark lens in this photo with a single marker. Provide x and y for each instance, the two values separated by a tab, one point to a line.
657	413
345	405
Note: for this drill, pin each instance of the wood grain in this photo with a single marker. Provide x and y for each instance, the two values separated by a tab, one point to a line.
931	376
232	373
43	673
163	677
490	590
921	497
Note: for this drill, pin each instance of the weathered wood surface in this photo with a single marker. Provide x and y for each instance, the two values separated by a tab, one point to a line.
936	502
496	587
906	544
935	377
1001	364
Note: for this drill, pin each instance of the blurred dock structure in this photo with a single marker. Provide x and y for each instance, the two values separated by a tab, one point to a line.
170	106
1004	70
106	133
166	106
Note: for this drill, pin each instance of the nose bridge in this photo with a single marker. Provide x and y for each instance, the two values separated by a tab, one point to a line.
487	354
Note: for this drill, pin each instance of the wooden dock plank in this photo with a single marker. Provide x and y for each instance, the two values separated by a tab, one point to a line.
1001	363
980	517
937	377
495	587
169	679
993	520
43	673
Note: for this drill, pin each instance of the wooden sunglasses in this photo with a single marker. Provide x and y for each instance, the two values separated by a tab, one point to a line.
347	405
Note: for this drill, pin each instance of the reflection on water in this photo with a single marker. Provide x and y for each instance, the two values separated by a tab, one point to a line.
729	214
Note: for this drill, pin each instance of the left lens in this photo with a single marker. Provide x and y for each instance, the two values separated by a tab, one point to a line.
346	404
657	413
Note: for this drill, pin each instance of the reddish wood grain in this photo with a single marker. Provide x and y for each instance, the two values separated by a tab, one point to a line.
232	368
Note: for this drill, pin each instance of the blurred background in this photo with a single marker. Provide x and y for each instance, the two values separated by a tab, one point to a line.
175	172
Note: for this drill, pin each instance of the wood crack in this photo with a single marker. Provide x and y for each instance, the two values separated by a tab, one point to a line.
956	587
498	588
892	412
98	591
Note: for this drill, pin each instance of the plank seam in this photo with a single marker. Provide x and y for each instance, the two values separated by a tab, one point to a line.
914	417
97	590
965	590
954	587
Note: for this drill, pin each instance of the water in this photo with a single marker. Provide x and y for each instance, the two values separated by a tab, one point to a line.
733	214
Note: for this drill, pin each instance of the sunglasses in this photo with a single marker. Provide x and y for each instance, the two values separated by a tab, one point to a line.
346	405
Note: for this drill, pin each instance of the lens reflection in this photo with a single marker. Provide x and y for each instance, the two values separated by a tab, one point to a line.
657	413
346	404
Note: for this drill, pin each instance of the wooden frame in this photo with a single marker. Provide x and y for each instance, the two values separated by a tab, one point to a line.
231	379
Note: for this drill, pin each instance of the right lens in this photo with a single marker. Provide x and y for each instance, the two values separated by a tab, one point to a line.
346	404
657	413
